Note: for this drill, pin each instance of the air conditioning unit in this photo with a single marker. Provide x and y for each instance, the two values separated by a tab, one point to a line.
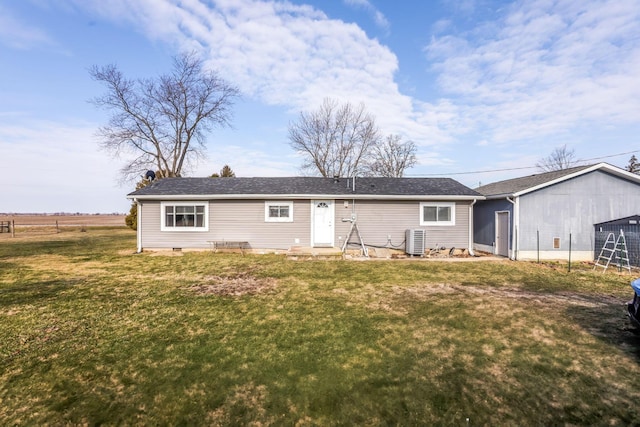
415	241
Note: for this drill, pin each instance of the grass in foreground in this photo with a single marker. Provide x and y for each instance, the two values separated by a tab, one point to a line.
92	333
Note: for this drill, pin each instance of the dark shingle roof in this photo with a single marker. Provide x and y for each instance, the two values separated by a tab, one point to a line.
511	186
304	186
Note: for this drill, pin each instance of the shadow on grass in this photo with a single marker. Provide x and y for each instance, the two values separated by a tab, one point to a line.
34	292
606	319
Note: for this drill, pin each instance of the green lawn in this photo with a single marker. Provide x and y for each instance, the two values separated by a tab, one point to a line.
91	333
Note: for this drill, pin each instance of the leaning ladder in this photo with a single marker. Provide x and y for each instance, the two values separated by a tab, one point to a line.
614	247
622	254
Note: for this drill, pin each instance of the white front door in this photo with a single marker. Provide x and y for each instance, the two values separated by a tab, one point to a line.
322	223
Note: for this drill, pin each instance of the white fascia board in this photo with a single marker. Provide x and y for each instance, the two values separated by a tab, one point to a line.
496	196
600	166
620	172
301	197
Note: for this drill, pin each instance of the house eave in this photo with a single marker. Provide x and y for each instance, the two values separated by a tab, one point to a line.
189	197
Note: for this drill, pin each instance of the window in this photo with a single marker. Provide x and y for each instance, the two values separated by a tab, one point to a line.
278	211
178	216
441	213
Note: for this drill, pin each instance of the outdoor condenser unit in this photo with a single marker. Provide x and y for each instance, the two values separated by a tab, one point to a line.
414	241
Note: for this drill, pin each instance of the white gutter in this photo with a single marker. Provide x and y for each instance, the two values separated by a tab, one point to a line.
471	227
300	197
514	232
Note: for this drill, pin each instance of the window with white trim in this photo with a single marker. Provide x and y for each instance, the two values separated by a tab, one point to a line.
278	211
439	213
185	216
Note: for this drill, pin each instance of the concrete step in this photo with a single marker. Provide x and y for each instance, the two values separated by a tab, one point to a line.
305	252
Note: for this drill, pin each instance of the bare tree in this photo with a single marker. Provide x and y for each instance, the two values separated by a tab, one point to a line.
560	158
160	123
335	139
392	157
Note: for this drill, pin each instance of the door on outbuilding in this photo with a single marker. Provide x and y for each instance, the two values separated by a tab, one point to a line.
502	233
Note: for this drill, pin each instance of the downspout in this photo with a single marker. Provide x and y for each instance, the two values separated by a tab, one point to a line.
471	227
139	224
514	231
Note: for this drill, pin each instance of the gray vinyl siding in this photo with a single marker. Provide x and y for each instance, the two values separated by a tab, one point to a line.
574	206
379	219
232	221
243	220
484	220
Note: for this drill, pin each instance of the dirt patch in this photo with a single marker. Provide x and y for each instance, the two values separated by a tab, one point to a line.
242	284
166	253
567	298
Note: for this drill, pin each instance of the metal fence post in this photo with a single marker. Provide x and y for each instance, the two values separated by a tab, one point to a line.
569	252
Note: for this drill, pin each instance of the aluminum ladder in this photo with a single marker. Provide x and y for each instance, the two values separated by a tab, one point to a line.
354	227
614	248
622	254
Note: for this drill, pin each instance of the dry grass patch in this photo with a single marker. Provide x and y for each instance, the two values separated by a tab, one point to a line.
426	290
246	402
242	284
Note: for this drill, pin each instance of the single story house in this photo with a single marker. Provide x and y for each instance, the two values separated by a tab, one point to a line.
280	213
552	215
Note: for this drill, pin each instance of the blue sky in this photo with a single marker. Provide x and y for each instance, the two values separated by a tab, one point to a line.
477	84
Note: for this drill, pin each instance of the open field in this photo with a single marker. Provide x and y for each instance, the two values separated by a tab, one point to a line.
97	220
92	333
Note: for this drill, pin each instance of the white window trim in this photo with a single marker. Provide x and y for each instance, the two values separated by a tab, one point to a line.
163	227
450	205
267	204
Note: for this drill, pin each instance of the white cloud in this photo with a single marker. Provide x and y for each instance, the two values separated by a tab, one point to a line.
465	7
287	55
16	34
441	26
545	68
539	69
249	162
378	17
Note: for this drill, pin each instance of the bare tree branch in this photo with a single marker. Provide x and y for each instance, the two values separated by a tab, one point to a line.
559	159
335	140
392	157
161	123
